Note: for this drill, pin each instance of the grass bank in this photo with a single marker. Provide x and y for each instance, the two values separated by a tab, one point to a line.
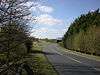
38	62
81	54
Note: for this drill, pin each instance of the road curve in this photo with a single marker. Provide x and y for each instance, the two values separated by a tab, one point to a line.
71	64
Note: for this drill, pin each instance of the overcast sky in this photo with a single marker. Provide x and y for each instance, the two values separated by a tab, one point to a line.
55	16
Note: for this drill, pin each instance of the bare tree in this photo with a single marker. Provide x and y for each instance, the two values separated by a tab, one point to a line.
14	28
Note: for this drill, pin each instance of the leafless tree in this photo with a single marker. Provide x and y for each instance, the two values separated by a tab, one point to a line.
14	20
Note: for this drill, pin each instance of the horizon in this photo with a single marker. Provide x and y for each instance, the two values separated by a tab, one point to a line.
55	19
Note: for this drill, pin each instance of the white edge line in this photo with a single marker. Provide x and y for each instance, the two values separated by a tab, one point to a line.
97	69
81	56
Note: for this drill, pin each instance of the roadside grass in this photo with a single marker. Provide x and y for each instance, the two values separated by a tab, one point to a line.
38	62
41	44
81	54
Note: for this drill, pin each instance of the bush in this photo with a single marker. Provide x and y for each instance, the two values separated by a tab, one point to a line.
28	45
20	51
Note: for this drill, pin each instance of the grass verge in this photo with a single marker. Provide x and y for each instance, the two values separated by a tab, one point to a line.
38	62
81	54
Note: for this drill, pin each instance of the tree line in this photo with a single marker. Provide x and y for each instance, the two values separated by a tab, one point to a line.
83	35
15	38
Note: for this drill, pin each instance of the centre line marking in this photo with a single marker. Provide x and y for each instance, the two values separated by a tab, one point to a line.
74	59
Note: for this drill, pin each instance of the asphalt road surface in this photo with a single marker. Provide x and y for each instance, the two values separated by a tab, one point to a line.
70	64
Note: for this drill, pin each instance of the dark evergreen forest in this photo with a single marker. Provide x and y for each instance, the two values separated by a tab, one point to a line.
83	35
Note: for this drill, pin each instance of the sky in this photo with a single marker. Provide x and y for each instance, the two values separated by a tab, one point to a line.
55	16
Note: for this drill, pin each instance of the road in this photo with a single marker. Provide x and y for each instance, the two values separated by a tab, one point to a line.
70	64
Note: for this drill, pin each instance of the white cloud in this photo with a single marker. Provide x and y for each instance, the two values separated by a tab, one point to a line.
32	9
48	20
37	5
28	4
31	3
48	33
31	19
92	10
46	9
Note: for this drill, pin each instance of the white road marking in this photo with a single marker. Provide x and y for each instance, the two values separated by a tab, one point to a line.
97	69
80	55
74	59
68	57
